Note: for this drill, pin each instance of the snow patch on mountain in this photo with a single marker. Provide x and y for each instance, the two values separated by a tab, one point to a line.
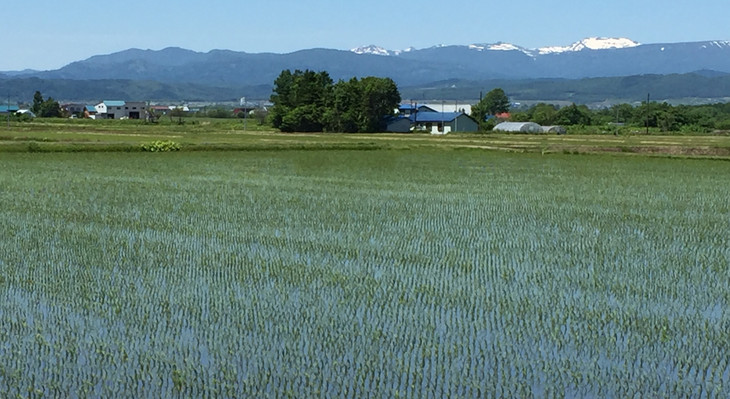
591	43
720	43
371	49
499	46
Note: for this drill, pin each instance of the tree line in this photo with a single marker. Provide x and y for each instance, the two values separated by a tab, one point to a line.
308	101
662	116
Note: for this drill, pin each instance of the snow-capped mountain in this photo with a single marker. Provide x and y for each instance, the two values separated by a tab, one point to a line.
499	46
592	57
372	49
591	43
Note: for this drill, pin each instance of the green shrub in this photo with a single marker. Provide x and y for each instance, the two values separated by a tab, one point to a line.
161	146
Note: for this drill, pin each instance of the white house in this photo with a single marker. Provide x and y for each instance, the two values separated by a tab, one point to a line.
112	109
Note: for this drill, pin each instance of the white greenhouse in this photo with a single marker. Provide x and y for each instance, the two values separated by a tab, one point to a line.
519	127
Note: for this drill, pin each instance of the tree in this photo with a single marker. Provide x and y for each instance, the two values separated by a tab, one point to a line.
306	101
573	115
380	98
543	114
37	103
495	102
300	100
343	111
362	105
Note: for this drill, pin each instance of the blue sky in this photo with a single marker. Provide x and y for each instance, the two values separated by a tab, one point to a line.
49	35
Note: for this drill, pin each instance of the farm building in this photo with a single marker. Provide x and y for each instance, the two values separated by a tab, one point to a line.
443	122
398	124
90	112
4	109
410	109
519	127
554	129
121	109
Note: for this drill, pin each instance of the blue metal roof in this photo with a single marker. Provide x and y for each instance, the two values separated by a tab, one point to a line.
411	107
11	108
114	103
91	108
434	116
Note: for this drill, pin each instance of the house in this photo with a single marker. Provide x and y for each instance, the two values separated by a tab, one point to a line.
135	109
398	124
410	109
112	109
443	122
90	112
4	109
519	127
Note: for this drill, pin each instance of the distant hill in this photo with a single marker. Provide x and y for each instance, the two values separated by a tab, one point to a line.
698	87
672	70
701	87
592	57
97	90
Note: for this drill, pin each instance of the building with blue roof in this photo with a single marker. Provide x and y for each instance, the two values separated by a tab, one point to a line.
410	108
443	122
4	109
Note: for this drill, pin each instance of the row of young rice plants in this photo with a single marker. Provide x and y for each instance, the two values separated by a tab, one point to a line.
353	274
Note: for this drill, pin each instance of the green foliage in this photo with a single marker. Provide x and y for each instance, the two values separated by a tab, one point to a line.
304	118
361	105
300	100
495	102
310	102
662	117
218	112
37	102
573	115
161	146
49	108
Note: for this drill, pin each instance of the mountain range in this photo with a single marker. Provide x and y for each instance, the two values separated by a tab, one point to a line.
224	69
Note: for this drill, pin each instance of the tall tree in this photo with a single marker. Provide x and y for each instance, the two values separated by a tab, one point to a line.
37	103
380	98
300	100
362	105
50	109
306	101
573	115
495	102
343	112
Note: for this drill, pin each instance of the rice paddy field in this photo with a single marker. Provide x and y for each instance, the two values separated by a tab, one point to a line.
419	273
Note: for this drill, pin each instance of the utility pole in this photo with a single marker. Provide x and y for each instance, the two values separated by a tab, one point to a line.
443	118
647	113
456	120
8	110
415	116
